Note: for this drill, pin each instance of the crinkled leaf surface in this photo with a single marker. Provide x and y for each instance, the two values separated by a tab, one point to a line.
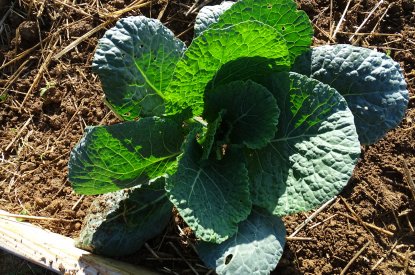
371	82
110	158
215	47
135	61
283	15
251	112
209	15
119	223
211	195
255	249
315	149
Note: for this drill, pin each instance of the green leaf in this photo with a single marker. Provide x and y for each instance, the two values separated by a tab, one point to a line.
283	15
244	68
214	48
110	158
119	223
209	15
251	112
371	82
255	249
314	151
209	138
211	195
135	61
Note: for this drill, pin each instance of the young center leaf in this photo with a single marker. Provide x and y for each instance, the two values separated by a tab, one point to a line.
371	82
119	223
211	195
251	112
255	249
214	48
315	149
292	24
135	61
110	158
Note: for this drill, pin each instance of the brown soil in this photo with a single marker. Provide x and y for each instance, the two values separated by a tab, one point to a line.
46	102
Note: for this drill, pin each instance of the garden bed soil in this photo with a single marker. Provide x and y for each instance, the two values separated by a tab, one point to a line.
48	97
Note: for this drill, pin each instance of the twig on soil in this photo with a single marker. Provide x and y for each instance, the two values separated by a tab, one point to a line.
408	177
77	203
185	31
366	19
341	20
184	259
113	17
323	221
358	219
354	258
37	218
38	76
3	19
69	122
325	33
366	225
161	13
152	251
309	219
72	8
371	34
80	39
300	239
197	7
331	20
19	133
192	8
377	24
14	77
384	257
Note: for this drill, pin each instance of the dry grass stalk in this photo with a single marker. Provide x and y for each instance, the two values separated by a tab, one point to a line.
358	219
19	133
184	259
354	258
39	75
341	20
300	239
368	225
408	177
29	217
384	257
367	18
312	216
323	221
113	17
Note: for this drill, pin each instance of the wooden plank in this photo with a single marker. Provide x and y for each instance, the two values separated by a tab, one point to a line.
56	252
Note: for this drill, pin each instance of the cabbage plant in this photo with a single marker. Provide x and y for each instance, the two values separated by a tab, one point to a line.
244	126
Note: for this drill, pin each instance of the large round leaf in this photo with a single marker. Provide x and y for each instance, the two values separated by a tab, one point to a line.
110	158
214	48
371	82
315	149
255	249
211	195
135	61
293	24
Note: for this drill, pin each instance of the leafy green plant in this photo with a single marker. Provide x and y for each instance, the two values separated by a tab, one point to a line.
242	127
